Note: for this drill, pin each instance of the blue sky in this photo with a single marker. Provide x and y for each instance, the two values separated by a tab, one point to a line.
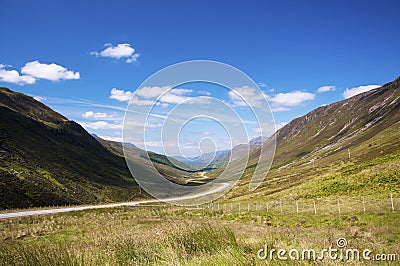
58	51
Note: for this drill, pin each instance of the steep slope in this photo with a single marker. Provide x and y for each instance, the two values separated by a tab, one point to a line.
45	159
116	147
339	126
343	142
168	167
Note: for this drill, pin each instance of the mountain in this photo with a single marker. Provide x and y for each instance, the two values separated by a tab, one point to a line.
335	141
46	159
237	153
172	169
206	160
257	141
336	127
213	160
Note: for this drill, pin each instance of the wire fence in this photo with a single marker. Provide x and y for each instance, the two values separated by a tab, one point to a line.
322	206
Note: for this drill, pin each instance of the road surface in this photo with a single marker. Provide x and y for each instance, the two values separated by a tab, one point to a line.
103	206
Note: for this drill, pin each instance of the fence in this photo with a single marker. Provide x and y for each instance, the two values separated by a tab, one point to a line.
323	206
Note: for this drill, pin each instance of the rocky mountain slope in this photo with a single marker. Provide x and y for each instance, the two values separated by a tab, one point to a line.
340	126
346	147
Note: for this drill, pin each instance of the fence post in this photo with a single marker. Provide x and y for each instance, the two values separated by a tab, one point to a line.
248	206
266	204
338	205
391	200
297	207
280	204
363	203
315	208
256	206
231	206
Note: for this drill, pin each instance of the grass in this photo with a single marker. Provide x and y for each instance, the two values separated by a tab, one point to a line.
342	178
180	236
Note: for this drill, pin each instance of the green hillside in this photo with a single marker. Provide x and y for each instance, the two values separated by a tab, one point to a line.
168	167
351	147
45	159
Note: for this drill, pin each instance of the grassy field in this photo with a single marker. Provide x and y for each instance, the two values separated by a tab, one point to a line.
169	235
223	235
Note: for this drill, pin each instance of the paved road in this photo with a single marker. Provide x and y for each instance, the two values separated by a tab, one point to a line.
103	206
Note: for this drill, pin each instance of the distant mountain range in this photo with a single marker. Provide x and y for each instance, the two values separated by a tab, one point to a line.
213	160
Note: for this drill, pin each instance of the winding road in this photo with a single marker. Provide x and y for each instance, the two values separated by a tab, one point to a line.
103	206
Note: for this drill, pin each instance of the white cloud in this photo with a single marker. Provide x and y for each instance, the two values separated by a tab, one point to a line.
121	95
280	102
326	89
91	114
251	95
262	84
51	72
172	96
357	90
139	123
121	50
133	58
204	92
176	96
293	98
149	95
135	100
35	70
98	115
279	109
12	76
100	125
151	92
126	96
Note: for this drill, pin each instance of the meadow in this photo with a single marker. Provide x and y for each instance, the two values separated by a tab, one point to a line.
298	210
171	235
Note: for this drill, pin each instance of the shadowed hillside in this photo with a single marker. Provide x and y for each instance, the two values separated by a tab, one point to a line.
45	159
